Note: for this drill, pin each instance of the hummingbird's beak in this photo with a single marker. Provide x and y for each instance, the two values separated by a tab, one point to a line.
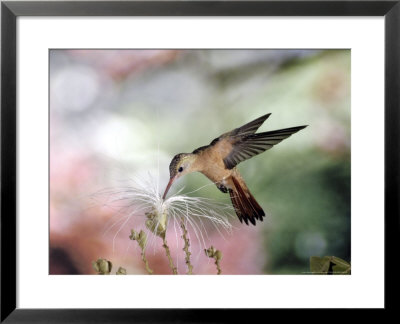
168	186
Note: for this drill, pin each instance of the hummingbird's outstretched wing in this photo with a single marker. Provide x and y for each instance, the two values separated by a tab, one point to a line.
247	129
246	146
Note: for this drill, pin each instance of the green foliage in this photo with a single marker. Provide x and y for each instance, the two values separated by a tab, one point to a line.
329	265
308	209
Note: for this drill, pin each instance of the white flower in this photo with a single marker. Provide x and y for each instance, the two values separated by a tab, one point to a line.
141	198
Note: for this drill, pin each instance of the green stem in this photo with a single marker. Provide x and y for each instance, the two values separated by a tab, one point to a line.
146	263
219	271
141	240
186	248
216	255
167	251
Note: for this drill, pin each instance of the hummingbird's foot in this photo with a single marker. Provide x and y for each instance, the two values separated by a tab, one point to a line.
221	187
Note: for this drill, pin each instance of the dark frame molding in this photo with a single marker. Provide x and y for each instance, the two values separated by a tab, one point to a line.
9	13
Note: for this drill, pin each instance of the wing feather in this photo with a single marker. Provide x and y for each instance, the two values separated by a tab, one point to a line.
249	128
245	147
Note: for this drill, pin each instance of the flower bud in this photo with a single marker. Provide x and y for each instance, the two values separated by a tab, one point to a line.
210	252
142	239
121	271
157	223
133	235
102	266
218	255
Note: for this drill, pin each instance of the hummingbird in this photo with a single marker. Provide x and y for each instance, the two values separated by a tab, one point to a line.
218	161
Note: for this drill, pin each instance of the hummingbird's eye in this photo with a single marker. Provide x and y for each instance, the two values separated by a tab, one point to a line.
180	169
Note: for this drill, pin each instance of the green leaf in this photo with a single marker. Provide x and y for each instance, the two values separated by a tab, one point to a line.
329	265
341	266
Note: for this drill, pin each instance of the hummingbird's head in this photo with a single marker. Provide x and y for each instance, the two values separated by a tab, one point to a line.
180	165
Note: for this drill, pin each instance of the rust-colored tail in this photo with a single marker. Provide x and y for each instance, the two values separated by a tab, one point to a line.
246	207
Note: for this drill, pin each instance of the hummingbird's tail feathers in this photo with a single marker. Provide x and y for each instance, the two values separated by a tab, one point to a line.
236	206
251	127
245	205
257	207
245	147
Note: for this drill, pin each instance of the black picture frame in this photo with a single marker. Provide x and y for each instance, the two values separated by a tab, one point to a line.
9	13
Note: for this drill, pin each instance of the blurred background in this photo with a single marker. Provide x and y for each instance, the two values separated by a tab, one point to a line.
118	113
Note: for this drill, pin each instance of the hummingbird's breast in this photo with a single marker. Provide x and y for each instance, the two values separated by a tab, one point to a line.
210	163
